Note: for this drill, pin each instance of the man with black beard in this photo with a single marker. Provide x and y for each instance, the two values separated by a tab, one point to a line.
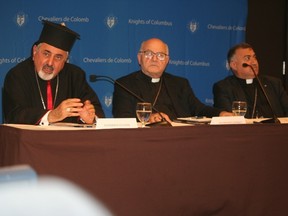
45	89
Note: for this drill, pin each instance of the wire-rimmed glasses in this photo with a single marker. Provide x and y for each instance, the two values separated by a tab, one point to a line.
149	55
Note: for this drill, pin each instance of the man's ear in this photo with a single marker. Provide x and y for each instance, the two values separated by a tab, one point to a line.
139	58
232	65
34	50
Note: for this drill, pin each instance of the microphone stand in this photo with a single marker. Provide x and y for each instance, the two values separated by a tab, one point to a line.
271	120
163	122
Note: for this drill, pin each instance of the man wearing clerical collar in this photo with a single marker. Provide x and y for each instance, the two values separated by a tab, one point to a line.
171	96
45	88
243	86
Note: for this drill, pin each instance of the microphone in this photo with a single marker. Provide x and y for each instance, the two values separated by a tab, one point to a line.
271	120
94	78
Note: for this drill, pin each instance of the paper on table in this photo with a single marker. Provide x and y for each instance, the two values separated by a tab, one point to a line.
110	123
194	119
102	123
68	126
228	120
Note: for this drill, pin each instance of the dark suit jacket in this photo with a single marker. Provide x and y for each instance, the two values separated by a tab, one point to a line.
184	101
229	89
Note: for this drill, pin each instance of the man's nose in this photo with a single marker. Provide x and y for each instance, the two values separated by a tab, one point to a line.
253	60
154	57
50	60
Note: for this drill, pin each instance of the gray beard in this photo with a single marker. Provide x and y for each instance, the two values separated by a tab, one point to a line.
45	76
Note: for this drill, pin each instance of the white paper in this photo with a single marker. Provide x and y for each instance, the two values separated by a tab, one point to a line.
110	123
228	120
194	119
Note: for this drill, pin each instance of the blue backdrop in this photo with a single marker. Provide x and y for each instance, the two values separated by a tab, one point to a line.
199	34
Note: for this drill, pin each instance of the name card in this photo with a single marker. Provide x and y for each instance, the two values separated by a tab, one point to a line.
110	123
228	120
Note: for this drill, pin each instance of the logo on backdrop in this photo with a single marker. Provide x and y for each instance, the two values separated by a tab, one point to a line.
193	26
111	21
108	100
21	19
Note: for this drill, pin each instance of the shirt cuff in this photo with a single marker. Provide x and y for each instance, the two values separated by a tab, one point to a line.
44	120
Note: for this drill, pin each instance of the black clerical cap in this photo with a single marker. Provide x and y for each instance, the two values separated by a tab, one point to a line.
58	35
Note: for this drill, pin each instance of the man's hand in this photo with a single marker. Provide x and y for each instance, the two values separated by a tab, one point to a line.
224	113
68	108
87	114
156	117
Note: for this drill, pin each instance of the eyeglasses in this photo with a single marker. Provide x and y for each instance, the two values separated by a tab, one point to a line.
149	55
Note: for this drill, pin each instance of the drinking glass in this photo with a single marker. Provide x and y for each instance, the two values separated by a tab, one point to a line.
143	112
239	108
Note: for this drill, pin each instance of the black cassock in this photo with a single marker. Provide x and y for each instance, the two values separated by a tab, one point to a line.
21	96
176	97
232	88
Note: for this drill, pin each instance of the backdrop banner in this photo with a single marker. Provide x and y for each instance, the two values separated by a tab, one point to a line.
199	34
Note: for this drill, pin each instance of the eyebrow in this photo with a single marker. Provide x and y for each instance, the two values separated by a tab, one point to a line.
57	54
253	55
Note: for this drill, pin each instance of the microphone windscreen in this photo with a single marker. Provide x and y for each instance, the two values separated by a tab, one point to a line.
92	78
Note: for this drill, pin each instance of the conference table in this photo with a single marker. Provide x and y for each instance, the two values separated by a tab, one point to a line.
184	170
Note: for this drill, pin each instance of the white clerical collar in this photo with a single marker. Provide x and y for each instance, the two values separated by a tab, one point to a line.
155	80
249	81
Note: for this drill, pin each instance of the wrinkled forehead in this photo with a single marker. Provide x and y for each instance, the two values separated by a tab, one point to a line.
155	46
52	49
244	52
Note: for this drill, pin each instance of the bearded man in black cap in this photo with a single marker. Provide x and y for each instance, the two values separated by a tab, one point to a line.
45	89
